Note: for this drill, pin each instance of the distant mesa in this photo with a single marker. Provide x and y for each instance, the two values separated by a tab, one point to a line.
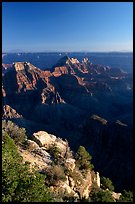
23	66
102	120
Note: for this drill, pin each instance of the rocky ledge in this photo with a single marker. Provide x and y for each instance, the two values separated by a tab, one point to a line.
40	155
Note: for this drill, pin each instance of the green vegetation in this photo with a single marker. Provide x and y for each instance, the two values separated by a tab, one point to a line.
101	196
55	153
16	133
126	196
106	183
83	159
18	183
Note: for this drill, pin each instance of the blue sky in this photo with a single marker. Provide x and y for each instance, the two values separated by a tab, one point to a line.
67	26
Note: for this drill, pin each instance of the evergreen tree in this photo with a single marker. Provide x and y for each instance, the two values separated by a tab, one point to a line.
126	196
101	196
106	183
83	159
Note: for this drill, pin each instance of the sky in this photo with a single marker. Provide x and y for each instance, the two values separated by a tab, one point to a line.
67	26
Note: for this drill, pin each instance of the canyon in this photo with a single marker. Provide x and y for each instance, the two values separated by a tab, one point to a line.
87	104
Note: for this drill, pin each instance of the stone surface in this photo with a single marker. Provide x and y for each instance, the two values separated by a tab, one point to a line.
116	196
98	179
87	183
70	163
66	189
44	139
33	144
35	160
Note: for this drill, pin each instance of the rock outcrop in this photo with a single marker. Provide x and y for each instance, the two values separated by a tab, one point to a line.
46	140
43	138
76	184
116	196
9	113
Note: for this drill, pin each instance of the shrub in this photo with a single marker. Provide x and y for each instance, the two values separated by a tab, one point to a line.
126	196
83	159
55	153
54	174
106	183
16	133
101	196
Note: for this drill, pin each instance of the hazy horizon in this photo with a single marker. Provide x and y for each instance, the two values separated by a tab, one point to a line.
15	52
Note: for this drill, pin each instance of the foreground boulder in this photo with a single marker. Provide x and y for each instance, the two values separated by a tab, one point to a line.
43	139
